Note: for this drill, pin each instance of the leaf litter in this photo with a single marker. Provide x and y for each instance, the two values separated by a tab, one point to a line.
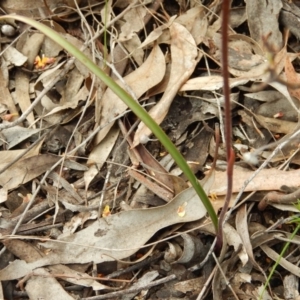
89	199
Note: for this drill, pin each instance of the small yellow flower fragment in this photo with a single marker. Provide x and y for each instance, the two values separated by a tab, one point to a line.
106	211
41	62
181	210
213	196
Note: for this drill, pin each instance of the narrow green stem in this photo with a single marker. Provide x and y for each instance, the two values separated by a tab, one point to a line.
132	104
278	260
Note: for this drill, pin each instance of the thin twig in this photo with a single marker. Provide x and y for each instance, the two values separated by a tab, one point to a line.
133	290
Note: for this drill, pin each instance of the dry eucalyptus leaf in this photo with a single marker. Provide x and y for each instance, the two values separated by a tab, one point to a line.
183	54
5	95
211	83
195	21
240	54
45	286
15	57
30	49
10	155
99	155
141	282
234	239
192	247
266	180
264	96
263	21
115	237
134	23
17	134
241	223
157	32
26	169
150	73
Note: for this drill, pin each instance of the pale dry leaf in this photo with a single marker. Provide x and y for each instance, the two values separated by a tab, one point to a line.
30	50
237	16
85	72
150	73
192	247
26	169
17	134
3	195
5	96
90	174
217	201
183	54
276	125
44	286
266	180
50	48
210	83
49	75
71	89
99	155
15	57
241	223
157	32
282	88
11	155
33	8
258	73
291	287
133	47
115	237
147	278
22	93
195	21
8	156
32	47
258	291
192	286
265	96
59	181
263	22
134	22
243	53
280	108
233	239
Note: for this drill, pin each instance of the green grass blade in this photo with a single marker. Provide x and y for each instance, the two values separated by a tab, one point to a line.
131	103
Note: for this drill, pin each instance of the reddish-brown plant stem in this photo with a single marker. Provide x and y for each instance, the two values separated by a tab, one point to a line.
228	125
